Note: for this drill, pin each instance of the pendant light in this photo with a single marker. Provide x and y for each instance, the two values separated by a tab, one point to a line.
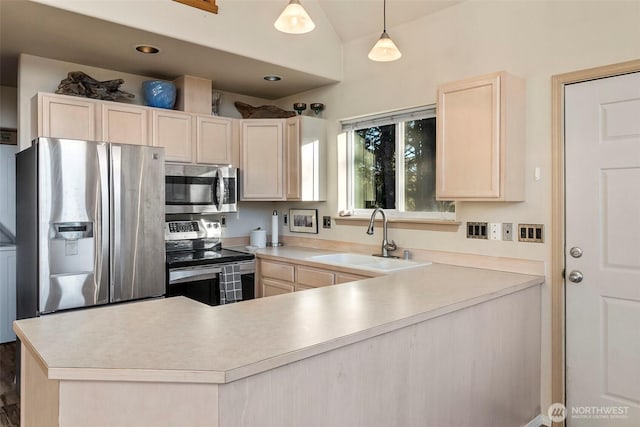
294	19
385	49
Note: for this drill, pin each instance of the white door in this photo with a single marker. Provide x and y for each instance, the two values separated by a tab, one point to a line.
602	134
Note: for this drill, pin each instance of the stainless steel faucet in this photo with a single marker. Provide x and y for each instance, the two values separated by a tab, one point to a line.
386	246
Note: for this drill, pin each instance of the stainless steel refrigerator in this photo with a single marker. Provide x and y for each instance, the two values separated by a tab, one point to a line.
90	226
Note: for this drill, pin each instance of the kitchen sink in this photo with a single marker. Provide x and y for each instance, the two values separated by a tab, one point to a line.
367	262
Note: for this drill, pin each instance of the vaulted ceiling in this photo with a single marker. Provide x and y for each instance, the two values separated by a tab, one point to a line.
38	28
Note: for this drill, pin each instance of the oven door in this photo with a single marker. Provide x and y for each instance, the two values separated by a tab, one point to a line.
201	282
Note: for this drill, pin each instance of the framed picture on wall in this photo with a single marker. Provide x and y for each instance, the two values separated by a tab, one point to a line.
8	136
303	221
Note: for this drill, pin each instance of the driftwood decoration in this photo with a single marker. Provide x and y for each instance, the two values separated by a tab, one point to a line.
263	112
78	83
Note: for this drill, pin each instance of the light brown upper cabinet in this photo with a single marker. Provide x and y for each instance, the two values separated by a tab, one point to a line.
61	116
124	124
283	159
214	143
305	159
480	138
173	130
186	137
262	159
191	138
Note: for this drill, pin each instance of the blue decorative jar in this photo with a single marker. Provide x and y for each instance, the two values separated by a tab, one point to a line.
158	93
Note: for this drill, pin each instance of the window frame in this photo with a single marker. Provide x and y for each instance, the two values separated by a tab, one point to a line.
397	118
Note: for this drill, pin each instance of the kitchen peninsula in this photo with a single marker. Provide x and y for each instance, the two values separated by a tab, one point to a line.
434	345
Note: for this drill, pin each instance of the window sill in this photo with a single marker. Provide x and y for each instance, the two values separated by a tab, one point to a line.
405	223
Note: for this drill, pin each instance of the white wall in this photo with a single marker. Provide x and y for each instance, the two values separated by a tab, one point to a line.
533	39
8	107
318	52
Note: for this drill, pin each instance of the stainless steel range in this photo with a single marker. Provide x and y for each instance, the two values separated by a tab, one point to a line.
198	267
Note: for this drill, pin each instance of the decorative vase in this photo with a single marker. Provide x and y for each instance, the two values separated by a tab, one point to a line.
158	93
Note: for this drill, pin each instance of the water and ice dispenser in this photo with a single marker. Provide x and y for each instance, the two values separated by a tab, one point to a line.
71	248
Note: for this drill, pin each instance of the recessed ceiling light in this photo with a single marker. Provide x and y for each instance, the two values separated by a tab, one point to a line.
145	48
272	78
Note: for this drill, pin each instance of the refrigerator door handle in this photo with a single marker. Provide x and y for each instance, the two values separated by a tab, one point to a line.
116	211
102	233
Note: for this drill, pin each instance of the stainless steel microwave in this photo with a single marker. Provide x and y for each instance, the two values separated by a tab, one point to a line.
200	189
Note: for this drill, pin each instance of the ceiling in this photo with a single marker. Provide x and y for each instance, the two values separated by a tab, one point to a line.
40	30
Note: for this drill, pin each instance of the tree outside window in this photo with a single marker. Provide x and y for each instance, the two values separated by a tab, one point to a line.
401	183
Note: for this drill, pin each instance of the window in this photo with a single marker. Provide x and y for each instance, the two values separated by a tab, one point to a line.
391	163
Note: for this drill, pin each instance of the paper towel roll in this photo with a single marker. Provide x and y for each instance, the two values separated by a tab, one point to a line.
258	238
274	228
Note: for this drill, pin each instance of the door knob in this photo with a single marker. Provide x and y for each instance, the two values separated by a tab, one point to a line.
575	276
575	252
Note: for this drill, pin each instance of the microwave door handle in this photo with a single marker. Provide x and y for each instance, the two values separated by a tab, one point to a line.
220	190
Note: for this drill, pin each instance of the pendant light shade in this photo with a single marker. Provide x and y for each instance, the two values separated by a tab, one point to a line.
385	49
294	19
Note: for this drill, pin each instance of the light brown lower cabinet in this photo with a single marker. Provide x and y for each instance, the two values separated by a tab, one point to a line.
276	277
347	277
275	287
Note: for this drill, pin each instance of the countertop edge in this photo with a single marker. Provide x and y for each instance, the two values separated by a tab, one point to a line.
223	377
267	364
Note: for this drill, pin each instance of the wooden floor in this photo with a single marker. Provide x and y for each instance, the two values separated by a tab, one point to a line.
9	399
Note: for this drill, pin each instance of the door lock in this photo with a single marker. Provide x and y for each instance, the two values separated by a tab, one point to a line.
576	276
575	252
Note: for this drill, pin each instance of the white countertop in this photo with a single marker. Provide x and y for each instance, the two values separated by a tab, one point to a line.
180	340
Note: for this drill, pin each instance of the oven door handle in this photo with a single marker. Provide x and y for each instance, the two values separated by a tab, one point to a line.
181	276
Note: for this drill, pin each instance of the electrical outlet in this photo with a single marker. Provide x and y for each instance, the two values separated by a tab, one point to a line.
495	231
285	219
507	231
531	233
326	222
223	220
476	230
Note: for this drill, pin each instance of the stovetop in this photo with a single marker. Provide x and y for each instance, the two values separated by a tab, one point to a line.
203	257
197	242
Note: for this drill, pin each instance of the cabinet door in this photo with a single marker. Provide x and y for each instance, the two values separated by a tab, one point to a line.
213	140
173	131
468	139
346	277
61	116
277	270
262	160
300	287
273	287
305	159
314	277
7	294
480	139
292	143
125	124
